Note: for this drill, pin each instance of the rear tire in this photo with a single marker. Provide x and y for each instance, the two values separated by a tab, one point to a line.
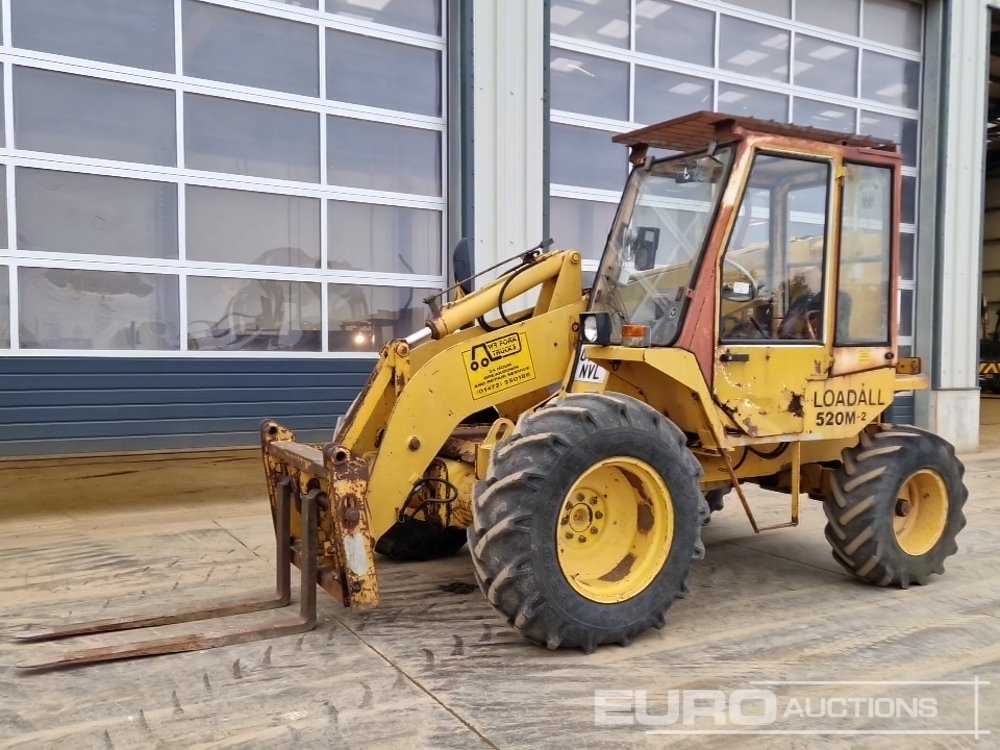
897	506
562	572
716	500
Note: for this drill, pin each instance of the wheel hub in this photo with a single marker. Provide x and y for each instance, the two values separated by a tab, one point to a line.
584	516
921	512
615	530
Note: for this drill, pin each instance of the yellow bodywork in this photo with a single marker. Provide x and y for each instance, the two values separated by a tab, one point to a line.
776	412
405	427
767	357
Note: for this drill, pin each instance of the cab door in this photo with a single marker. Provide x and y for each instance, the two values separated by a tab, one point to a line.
774	323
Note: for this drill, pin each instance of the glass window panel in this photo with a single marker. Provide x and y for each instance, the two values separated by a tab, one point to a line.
774	7
3	78
890	79
907	245
589	85
69	212
69	114
236	46
73	309
673	30
236	226
840	16
896	22
4	237
604	21
908	212
822	115
784	252
753	49
364	318
582	225
418	15
820	64
381	156
587	158
901	130
225	135
123	32
740	100
4	307
660	95
380	73
905	312
253	315
865	247
388	239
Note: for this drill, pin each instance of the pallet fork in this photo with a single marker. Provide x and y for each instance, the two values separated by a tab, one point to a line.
304	555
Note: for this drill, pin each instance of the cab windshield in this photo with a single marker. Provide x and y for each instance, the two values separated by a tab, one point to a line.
658	238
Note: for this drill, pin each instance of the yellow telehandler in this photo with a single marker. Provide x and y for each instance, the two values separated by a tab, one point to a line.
741	327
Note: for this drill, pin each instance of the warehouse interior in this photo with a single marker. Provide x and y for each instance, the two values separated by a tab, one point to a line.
989	333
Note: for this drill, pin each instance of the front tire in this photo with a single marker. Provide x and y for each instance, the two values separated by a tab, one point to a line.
897	506
587	522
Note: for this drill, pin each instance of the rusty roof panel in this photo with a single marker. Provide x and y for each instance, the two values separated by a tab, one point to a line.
696	131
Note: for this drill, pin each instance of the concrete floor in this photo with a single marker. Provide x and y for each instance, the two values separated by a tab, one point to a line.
435	667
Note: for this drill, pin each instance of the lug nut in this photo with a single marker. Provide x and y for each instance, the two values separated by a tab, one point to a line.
569	505
593	529
902	508
564	521
593	500
598	515
569	534
581	538
579	497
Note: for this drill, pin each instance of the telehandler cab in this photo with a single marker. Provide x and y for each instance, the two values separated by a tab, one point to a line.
744	320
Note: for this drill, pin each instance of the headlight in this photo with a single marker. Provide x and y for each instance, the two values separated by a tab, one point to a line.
595	328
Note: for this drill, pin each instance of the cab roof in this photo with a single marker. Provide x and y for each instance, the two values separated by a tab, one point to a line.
697	131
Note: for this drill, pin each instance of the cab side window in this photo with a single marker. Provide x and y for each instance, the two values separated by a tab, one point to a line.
772	272
865	250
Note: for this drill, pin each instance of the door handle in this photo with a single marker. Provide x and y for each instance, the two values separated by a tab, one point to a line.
730	357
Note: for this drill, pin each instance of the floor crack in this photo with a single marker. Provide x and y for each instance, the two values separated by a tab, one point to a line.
485	740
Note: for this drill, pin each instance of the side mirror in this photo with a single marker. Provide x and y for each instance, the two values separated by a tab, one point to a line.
647	240
461	264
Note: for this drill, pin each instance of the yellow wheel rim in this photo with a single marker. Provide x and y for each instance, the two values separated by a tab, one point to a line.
615	529
921	512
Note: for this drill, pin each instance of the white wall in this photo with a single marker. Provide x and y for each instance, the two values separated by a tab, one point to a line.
509	121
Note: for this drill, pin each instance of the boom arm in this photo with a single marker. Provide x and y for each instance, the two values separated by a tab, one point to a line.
412	404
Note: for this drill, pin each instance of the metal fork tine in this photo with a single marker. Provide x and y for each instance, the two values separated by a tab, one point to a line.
224	608
201	641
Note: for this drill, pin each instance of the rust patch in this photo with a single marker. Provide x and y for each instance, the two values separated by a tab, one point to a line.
749	427
621	570
644	522
817	366
795	404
